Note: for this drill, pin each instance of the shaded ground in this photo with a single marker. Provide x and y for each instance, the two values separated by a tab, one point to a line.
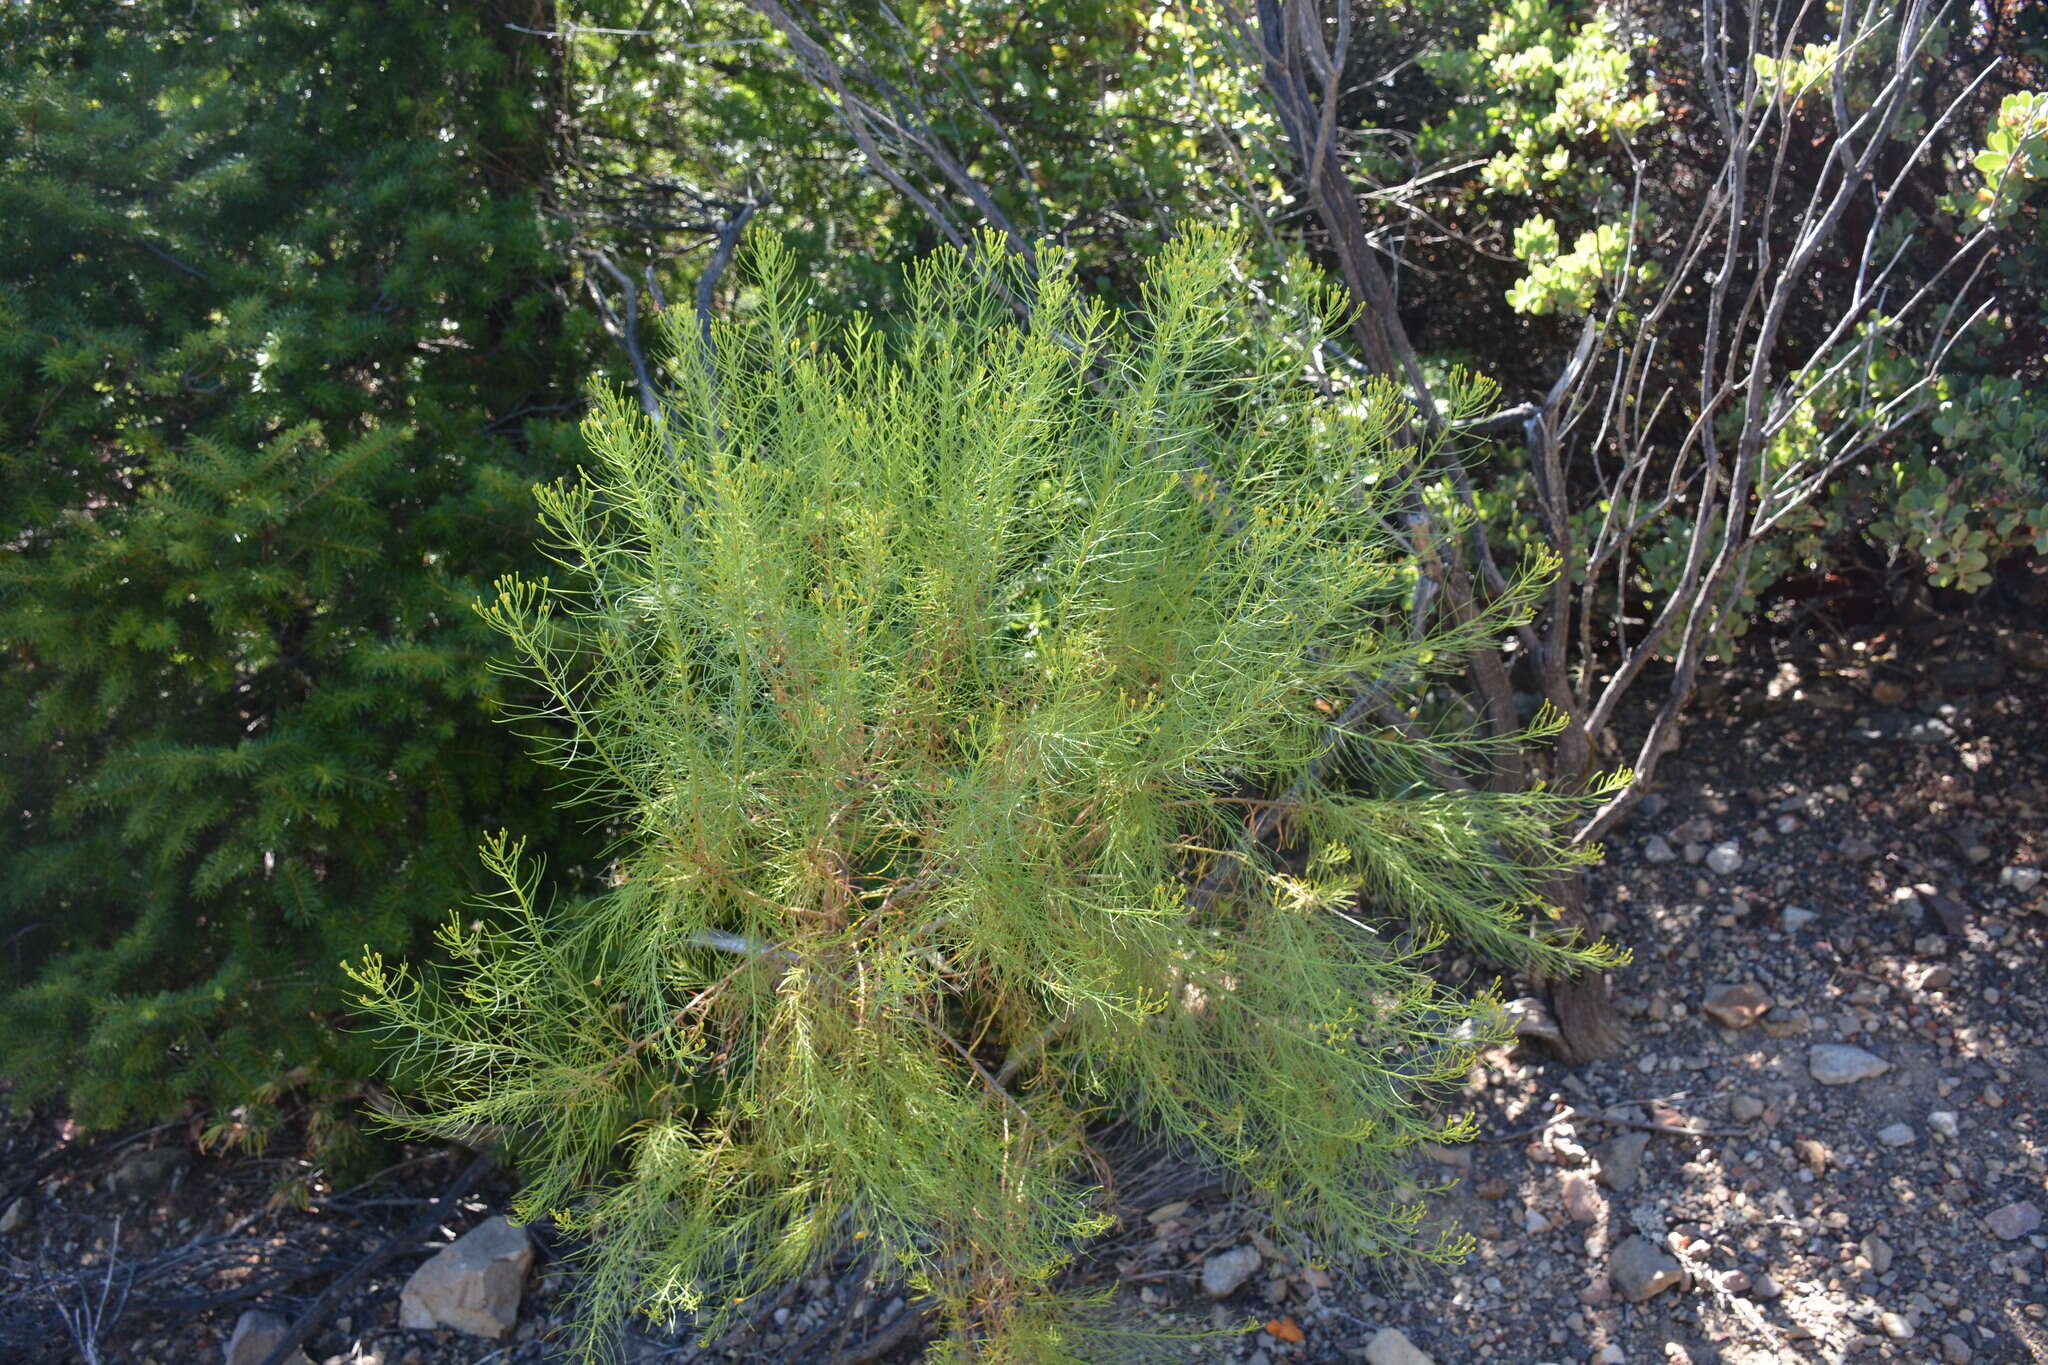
1855	832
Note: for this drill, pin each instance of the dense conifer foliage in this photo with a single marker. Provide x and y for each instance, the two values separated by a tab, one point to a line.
936	684
282	357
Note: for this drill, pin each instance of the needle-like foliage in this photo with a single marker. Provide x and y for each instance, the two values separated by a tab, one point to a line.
935	678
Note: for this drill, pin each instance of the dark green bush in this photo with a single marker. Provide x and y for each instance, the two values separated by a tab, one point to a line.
282	357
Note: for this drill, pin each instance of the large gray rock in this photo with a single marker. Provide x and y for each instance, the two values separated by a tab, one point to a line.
1844	1064
2015	1221
1724	858
149	1172
472	1284
1390	1346
1223	1275
256	1333
1640	1270
1738	1007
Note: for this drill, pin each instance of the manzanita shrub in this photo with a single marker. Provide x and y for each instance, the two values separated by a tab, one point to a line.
933	678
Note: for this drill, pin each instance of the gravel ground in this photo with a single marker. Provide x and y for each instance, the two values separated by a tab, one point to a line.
1824	1141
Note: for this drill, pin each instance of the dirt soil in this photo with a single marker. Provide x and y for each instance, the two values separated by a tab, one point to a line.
1838	879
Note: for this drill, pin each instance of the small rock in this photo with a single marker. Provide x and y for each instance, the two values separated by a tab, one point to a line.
1895	1135
1657	850
1225	1274
1531	1018
18	1216
1734	1282
1943	1121
1641	1271
473	1283
1859	848
2014	1221
1885	692
1814	1153
1389	1346
1697	830
1796	917
1740	1006
147	1172
1746	1108
1765	1285
1895	1326
1581	1200
1877	1253
1534	1223
1166	1213
1621	1161
1843	1064
1954	1350
1781	1023
1931	976
256	1335
1724	858
2020	878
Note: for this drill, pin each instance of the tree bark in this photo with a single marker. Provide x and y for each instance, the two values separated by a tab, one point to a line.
1583	1005
1290	46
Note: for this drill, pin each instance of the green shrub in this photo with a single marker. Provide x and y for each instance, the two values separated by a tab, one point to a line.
935	684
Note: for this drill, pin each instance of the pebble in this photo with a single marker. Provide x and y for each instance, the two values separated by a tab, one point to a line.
17	1216
148	1172
256	1335
1697	830
1738	1007
1225	1274
1843	1064
1765	1285
1390	1346
1877	1253
2020	878
1895	1326
2015	1220
1932	976
1641	1271
1621	1161
1581	1200
1746	1108
1656	850
1895	1135
1943	1121
1954	1350
1724	858
1796	917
